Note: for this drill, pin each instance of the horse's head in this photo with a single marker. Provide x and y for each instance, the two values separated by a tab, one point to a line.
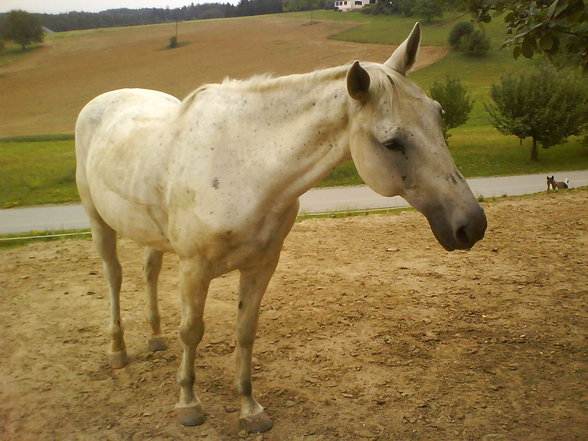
398	147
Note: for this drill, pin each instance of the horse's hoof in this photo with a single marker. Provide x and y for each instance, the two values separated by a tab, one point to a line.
190	416
157	343
256	423
118	359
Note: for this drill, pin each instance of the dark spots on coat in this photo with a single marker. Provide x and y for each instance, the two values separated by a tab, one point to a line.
215	183
404	177
452	179
240	305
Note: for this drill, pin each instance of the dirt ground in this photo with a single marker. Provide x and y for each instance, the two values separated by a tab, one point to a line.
44	93
369	331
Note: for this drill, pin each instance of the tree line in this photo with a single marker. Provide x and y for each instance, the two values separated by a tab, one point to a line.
75	20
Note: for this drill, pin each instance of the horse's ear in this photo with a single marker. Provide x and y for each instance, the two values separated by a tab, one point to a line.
403	58
358	82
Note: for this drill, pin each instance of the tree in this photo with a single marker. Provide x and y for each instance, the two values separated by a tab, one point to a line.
427	9
547	105
302	5
553	27
455	101
22	28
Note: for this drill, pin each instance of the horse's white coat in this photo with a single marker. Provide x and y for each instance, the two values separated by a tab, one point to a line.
216	179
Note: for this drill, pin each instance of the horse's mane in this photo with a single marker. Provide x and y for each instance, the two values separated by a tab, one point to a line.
266	82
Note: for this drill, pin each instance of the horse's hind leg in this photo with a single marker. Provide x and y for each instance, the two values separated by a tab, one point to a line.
105	240
153	261
194	283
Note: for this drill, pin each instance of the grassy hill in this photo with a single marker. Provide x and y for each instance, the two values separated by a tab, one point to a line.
44	89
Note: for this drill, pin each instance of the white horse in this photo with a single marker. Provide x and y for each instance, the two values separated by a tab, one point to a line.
216	179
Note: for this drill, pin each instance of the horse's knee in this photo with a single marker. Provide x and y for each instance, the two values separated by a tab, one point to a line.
113	270
191	331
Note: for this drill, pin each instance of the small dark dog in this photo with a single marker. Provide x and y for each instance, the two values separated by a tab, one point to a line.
556	185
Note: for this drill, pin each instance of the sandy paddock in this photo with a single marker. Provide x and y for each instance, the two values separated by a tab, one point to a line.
369	331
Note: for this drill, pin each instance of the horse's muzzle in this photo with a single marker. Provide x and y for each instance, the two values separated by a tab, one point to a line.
461	234
471	231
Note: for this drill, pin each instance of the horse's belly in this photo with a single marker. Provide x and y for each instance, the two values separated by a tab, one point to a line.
144	223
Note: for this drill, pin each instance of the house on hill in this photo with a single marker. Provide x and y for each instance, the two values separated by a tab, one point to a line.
351	5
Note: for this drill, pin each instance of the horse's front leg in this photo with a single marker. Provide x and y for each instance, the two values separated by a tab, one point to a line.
252	286
194	283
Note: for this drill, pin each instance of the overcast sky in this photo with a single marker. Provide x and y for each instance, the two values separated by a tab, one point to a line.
58	6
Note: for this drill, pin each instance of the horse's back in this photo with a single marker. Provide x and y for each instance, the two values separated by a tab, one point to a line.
122	106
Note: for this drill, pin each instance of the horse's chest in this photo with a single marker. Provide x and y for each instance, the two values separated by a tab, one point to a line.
231	245
244	248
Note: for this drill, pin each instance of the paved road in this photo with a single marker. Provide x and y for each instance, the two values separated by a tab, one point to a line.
72	217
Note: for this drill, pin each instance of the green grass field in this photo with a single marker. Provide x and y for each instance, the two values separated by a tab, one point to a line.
40	169
482	151
37	172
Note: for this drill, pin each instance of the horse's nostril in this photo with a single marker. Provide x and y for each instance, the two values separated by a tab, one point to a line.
462	235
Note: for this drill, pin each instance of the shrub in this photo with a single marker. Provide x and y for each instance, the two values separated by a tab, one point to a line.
379	8
477	43
459	30
456	103
173	42
405	7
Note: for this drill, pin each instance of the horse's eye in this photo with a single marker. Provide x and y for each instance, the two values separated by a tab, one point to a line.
394	144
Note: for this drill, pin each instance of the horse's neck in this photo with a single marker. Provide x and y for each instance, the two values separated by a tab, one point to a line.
308	136
296	127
